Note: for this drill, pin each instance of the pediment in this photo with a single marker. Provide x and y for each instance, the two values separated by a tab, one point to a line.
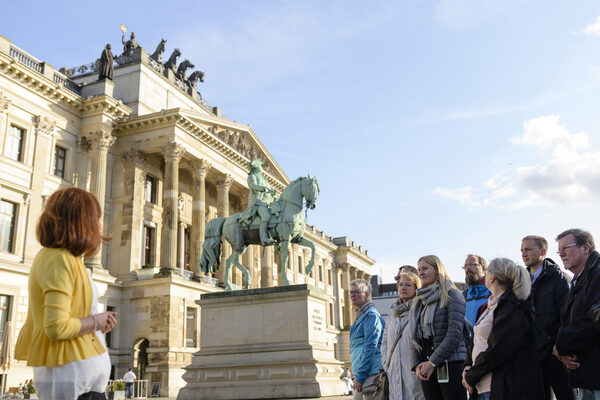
240	138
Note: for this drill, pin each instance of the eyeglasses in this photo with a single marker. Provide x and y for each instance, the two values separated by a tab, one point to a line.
470	265
353	293
564	249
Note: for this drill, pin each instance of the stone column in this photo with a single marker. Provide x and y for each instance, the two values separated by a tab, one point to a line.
347	304
223	186
100	142
181	245
199	170
336	298
172	152
266	268
43	151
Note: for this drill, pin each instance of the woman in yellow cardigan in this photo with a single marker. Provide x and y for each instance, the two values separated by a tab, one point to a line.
62	338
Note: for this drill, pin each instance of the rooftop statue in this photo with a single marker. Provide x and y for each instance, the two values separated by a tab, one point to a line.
194	78
285	225
157	55
129	45
105	64
172	61
182	70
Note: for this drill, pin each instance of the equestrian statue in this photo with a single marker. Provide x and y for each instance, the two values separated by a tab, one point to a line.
267	221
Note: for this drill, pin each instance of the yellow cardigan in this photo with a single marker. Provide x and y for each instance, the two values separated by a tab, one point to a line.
59	294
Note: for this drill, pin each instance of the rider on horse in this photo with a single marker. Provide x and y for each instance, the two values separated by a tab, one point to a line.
262	197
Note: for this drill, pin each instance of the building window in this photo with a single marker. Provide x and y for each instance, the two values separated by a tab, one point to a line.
4	314
320	273
331	316
150	189
60	155
186	248
190	327
8	217
14	143
108	335
329	277
299	264
148	253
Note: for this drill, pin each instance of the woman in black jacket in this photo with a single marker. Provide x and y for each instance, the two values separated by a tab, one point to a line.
509	355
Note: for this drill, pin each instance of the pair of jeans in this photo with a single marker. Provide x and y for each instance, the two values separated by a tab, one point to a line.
588	394
128	390
484	396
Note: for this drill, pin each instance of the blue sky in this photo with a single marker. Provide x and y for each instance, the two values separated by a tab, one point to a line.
444	127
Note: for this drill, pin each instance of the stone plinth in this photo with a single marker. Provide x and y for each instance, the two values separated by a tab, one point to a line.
267	343
98	88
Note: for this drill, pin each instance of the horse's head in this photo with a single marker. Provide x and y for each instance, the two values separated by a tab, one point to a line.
310	191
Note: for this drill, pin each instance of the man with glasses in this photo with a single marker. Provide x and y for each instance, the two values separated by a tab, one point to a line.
366	335
549	290
578	340
476	293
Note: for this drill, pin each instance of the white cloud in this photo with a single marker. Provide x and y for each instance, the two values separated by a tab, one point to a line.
570	175
593	29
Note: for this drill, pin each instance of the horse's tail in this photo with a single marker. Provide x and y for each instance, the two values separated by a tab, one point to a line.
211	250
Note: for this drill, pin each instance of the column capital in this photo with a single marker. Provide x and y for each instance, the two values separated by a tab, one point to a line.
101	140
43	125
224	182
134	157
344	267
4	103
200	167
173	151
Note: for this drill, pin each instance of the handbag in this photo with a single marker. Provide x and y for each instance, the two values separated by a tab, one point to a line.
378	385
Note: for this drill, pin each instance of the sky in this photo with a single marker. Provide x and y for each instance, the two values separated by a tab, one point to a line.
440	127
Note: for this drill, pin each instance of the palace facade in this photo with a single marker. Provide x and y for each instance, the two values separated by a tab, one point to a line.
162	162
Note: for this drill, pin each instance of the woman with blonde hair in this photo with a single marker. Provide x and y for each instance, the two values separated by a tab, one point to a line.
62	337
436	326
395	348
504	363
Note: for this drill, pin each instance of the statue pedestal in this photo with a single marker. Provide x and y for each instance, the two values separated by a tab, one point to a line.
98	88
263	344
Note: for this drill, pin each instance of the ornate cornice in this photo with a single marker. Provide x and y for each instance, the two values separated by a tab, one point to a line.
174	117
38	83
173	151
105	105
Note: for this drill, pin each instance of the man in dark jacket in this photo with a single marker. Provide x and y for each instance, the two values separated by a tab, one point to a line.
549	290
578	340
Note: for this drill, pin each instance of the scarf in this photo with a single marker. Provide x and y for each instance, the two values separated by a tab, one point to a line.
420	319
400	308
364	308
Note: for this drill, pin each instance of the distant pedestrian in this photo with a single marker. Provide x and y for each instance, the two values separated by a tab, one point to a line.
436	325
366	335
129	377
395	349
578	339
549	291
503	362
476	293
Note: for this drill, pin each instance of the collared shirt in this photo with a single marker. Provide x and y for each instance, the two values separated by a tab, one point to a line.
537	273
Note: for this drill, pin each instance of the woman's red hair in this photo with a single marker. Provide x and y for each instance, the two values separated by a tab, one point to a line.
71	220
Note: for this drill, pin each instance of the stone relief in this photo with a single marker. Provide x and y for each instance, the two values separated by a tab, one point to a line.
44	125
4	103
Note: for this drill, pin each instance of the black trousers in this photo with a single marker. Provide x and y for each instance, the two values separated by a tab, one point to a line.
453	390
92	396
555	375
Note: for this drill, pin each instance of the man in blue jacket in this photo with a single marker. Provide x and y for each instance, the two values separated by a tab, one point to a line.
366	335
476	293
